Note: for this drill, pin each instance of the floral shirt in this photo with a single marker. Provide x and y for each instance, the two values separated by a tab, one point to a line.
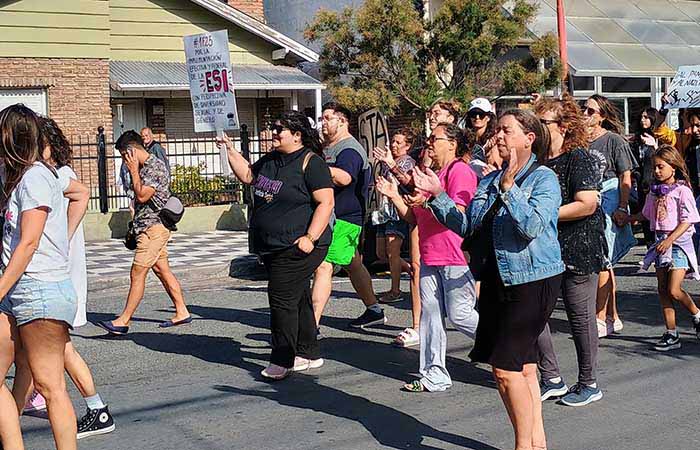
155	174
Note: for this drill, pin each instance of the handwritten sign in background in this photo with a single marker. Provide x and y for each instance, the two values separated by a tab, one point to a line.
684	91
211	89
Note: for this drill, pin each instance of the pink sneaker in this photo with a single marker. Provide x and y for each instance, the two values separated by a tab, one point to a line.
35	403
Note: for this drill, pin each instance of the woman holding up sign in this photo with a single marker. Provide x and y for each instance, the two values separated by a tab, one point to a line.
293	201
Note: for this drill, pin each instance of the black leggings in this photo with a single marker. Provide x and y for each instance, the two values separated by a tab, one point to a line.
292	321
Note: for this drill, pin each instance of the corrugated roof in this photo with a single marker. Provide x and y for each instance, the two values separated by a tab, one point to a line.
144	76
258	28
626	37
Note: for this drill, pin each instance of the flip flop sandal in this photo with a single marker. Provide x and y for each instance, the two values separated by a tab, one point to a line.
390	297
407	338
414	386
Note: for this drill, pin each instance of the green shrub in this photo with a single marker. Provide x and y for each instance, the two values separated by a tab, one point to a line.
188	184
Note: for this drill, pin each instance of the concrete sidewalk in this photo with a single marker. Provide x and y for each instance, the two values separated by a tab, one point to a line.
191	256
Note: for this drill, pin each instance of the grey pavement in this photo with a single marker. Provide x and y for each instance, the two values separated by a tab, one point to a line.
197	386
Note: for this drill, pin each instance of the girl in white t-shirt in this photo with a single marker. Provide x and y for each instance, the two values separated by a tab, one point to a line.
39	302
97	420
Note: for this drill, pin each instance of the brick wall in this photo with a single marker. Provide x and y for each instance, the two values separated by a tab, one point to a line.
253	8
77	89
78	99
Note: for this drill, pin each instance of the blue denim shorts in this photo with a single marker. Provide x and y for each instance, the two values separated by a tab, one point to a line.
398	228
679	260
31	299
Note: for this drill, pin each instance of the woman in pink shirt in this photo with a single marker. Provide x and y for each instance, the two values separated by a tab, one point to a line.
446	284
671	212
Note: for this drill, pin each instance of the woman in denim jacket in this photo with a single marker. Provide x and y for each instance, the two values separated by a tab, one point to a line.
521	278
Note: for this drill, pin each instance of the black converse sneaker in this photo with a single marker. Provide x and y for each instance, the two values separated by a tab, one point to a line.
94	422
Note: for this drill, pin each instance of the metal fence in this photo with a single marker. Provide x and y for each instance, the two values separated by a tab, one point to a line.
199	172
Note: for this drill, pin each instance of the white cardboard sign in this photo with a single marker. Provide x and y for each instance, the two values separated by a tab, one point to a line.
684	91
211	88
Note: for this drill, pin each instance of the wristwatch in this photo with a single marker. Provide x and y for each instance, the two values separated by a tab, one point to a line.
309	237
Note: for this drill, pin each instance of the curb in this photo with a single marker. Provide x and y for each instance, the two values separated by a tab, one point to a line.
242	267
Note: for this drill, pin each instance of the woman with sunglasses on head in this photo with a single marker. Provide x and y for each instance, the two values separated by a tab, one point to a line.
292	183
582	239
616	163
514	216
446	285
39	303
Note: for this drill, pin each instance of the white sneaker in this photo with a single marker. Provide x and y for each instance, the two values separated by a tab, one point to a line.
302	364
602	328
618	326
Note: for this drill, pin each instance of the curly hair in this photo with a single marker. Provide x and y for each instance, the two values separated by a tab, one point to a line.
569	116
61	151
408	134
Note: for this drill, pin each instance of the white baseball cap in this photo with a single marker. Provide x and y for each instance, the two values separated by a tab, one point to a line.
482	104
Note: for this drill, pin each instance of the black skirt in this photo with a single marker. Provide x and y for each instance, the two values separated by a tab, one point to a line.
511	318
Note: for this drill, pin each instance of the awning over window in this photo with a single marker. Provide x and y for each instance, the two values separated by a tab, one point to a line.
171	76
626	37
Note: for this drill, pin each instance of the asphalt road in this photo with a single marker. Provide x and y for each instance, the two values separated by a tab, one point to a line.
198	386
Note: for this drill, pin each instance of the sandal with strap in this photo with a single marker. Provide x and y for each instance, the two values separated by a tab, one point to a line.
414	386
390	297
407	338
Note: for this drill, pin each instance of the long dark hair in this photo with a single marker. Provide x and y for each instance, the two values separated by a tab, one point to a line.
654	115
61	151
298	122
490	128
609	113
530	123
21	144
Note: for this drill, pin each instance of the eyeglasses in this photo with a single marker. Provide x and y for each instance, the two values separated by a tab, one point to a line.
590	111
432	139
546	122
277	128
328	119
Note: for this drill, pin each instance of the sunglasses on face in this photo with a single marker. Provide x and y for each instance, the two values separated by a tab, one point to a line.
546	122
277	128
477	115
590	111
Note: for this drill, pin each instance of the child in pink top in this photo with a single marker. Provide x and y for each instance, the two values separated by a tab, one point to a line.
671	211
446	284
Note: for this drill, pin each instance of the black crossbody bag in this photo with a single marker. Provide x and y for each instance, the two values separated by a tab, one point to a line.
478	247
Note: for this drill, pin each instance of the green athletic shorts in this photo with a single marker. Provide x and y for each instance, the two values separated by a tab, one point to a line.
346	238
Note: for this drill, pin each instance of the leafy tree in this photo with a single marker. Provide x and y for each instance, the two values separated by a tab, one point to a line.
385	54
